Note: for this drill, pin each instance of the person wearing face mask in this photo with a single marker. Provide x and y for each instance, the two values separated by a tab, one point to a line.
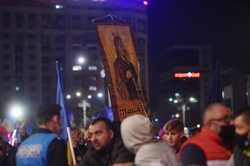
206	147
241	155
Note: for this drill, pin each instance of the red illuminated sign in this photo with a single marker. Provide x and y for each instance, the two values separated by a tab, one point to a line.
187	75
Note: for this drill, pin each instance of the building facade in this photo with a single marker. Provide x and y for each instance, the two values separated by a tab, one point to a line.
35	34
184	80
235	89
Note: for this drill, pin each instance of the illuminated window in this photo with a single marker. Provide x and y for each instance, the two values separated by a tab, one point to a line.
77	68
92	68
92	88
57	6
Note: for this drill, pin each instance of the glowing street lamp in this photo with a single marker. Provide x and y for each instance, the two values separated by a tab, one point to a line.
177	115
99	95
78	94
81	60
156	119
17	88
68	96
89	96
177	94
193	100
145	2
16	111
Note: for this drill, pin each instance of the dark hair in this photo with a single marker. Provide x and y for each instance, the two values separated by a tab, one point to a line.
174	124
46	112
245	113
107	122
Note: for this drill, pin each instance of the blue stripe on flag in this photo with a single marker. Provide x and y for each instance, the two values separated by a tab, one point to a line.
60	101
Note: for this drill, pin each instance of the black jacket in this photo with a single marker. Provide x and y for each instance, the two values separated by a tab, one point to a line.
80	150
241	156
115	153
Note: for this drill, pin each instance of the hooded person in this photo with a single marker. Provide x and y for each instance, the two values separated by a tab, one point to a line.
138	135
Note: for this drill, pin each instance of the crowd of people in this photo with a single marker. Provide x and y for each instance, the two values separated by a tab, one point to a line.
223	140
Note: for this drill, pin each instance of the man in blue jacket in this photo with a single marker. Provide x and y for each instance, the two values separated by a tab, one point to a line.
43	147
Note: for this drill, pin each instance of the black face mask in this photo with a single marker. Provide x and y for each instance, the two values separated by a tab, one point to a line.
227	135
227	132
242	141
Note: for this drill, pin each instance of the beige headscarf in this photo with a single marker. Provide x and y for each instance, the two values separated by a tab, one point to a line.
136	130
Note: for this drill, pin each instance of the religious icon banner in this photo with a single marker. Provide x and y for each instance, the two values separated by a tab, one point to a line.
122	70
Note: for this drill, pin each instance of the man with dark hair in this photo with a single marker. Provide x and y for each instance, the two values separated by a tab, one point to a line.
43	147
107	148
241	155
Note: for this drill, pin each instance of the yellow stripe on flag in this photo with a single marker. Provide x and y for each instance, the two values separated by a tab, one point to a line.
69	155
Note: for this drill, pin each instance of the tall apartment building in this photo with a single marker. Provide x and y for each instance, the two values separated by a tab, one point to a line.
36	33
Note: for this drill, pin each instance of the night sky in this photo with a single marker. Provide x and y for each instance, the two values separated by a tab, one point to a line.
223	25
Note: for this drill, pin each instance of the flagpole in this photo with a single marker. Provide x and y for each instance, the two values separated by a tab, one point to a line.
71	146
60	101
109	99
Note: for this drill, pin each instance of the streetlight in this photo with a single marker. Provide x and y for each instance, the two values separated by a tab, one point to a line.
81	60
177	115
177	94
198	125
193	100
156	120
175	101
16	111
68	96
178	99
89	96
99	95
17	88
145	3
78	94
84	104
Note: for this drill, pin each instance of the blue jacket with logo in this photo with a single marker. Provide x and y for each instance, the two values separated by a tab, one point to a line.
41	149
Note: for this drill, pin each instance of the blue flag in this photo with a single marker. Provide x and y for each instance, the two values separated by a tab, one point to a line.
60	101
106	113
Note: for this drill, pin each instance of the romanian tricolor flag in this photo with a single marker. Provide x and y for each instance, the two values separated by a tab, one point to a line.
65	134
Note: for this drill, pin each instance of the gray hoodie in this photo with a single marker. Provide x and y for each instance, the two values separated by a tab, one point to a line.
138	136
